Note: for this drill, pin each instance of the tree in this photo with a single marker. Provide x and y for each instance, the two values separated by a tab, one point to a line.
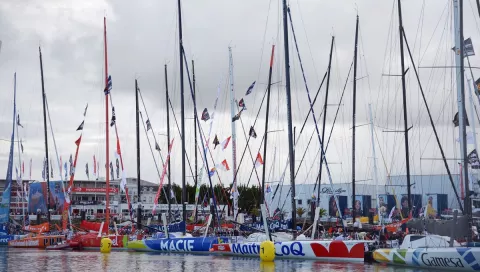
300	211
323	212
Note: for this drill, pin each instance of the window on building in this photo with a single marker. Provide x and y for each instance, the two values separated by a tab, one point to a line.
309	201
299	202
144	199
150	199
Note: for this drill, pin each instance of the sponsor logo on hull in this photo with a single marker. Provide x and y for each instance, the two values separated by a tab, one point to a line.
460	258
194	244
336	250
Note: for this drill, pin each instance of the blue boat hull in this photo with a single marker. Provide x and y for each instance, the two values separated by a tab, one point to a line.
4	239
184	244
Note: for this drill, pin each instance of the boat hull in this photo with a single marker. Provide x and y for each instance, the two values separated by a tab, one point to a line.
345	251
40	242
451	258
183	244
4	239
91	241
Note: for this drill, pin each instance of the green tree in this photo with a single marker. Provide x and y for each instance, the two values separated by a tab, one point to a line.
323	212
300	211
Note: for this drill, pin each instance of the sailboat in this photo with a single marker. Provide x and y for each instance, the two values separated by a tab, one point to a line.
435	251
5	237
177	242
350	251
93	239
42	239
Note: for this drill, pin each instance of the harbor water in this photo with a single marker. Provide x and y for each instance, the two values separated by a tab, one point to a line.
40	260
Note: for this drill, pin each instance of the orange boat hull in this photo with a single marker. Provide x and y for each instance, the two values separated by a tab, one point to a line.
41	241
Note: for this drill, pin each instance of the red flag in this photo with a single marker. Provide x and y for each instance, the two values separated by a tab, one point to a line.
259	160
224	166
118	147
225	143
77	142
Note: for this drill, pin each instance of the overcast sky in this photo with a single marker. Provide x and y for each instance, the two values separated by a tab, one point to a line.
143	37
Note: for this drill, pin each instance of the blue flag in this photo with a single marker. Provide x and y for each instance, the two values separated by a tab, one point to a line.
108	88
250	89
211	172
66	172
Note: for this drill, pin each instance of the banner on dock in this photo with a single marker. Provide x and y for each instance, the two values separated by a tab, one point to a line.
273	225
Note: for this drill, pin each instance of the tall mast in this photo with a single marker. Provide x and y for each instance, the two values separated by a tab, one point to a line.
291	154
19	153
262	192
167	99
459	54
472	114
195	126
7	190
324	120
433	124
405	120
375	171
107	135
234	135
182	106
354	116
137	132
47	176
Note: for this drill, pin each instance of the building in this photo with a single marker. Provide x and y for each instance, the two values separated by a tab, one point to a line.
90	196
424	189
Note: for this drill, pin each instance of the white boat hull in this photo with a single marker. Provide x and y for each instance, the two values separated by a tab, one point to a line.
452	258
345	251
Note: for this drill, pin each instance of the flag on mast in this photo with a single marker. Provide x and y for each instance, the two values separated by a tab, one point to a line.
456	121
215	141
250	89
252	132
205	115
225	142
85	111
469	51
80	127
65	166
224	165
114	118
117	164
71	165
18	121
149	125
259	160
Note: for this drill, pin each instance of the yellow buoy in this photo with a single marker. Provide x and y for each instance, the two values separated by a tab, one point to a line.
105	245
267	251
